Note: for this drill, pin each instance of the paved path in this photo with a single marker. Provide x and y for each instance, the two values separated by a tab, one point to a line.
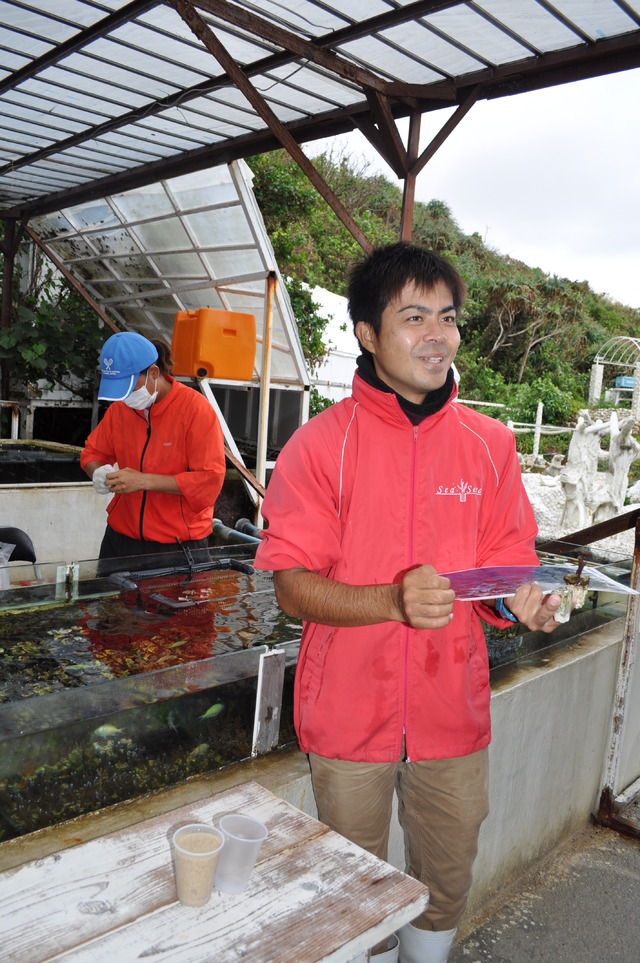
582	905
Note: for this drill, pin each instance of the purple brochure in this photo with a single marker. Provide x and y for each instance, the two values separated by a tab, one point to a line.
504	580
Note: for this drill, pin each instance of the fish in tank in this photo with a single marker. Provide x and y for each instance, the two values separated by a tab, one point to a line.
112	694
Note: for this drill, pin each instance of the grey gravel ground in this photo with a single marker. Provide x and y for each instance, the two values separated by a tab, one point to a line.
581	905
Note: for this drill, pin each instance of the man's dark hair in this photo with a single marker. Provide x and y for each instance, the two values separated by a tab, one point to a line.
381	276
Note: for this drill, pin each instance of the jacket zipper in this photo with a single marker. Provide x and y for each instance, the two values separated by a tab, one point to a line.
144	494
407	630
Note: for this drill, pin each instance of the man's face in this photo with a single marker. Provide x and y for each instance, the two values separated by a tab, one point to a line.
417	343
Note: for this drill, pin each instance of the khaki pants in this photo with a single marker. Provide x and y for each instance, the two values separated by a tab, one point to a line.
441	806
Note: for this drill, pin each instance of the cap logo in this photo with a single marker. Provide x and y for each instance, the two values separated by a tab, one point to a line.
106	368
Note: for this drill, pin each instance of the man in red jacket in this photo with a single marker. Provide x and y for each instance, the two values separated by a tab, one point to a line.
368	502
160	452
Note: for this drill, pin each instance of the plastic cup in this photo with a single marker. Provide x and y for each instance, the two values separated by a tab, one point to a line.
196	849
243	839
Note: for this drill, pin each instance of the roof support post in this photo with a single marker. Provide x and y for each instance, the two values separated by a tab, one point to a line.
265	382
9	256
409	194
611	801
202	31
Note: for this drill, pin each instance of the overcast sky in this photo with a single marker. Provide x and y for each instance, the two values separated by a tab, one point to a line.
551	178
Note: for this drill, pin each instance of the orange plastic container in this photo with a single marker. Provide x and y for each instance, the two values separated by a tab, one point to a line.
214	344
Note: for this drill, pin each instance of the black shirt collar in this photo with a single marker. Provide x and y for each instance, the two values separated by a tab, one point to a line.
434	401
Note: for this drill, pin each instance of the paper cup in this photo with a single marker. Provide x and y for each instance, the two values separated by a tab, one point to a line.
196	849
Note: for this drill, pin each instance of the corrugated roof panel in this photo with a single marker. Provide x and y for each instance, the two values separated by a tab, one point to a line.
304	97
428	47
596	18
77	11
389	62
143	62
531	21
151	133
27	45
140	82
241	46
29	22
314	19
479	37
90	105
98	75
79	73
29	128
118	155
10	61
49	112
320	84
177	245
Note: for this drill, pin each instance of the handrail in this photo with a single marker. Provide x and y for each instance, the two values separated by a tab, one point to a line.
612	526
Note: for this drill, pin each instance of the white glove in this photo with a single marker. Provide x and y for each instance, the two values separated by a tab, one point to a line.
99	479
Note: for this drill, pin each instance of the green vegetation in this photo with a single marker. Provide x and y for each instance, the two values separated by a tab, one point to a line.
527	336
53	336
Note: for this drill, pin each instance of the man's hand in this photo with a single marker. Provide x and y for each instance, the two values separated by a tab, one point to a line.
425	599
125	481
534	609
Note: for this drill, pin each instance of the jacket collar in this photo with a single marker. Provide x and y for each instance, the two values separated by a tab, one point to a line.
369	390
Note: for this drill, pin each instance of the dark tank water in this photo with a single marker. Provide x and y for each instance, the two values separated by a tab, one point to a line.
113	688
109	692
27	463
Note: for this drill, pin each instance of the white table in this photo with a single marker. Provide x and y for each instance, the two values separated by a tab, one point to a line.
312	897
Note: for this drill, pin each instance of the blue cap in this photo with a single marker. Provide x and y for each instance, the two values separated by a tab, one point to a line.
123	357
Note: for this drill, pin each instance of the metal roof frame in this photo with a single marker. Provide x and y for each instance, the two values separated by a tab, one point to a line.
103	96
99	98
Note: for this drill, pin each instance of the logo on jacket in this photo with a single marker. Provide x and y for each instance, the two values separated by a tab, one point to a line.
462	489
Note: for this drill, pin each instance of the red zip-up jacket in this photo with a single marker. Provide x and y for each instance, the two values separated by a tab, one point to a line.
182	437
359	494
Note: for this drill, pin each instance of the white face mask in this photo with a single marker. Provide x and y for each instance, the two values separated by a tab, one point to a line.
140	399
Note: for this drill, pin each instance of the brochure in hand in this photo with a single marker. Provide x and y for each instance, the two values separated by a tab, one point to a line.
501	581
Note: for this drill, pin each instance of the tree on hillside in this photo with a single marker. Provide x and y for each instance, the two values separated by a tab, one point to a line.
523	309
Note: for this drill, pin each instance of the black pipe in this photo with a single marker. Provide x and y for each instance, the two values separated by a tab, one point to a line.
230	534
244	525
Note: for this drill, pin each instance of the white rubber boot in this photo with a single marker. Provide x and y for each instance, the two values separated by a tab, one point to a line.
424	946
390	955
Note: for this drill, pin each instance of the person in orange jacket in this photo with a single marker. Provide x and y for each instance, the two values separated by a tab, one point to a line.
159	451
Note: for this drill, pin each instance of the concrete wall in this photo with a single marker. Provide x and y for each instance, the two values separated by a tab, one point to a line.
65	521
551	727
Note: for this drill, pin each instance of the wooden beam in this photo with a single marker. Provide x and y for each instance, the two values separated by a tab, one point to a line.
293	43
445	130
605	56
389	133
366	126
257	101
408	197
